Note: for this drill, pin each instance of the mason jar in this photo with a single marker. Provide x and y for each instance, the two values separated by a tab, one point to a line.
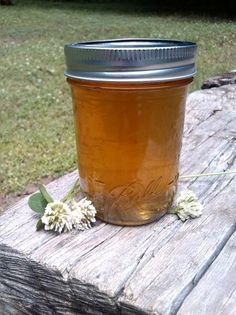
129	105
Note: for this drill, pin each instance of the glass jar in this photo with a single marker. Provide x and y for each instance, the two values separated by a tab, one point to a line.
129	102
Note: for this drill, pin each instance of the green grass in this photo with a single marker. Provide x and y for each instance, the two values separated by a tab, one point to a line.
36	122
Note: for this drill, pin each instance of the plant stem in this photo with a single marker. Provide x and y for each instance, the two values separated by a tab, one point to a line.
76	185
72	191
207	174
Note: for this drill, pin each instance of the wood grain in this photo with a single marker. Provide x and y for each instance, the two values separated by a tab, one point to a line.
151	269
216	291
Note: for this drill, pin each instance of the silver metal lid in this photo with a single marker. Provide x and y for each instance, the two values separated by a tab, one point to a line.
131	60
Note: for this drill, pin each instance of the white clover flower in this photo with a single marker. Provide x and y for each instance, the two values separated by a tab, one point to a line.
83	213
188	206
57	217
64	216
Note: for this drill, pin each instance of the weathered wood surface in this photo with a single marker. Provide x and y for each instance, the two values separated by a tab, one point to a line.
160	268
216	291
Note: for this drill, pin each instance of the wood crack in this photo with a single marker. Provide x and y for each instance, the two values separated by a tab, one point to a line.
226	301
190	286
211	197
200	121
141	262
9	277
138	263
221	149
41	287
221	153
53	237
66	273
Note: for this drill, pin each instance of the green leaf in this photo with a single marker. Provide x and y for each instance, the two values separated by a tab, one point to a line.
37	202
45	193
39	225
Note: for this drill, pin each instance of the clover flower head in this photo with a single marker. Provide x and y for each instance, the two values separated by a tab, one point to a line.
83	213
57	217
188	206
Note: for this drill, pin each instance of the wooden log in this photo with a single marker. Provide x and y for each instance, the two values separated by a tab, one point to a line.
219	80
110	269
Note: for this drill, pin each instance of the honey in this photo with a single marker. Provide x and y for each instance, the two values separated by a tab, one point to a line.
128	140
129	105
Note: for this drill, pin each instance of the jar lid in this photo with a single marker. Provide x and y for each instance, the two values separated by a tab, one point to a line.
131	60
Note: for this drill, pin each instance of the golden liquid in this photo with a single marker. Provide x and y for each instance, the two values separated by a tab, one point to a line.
128	141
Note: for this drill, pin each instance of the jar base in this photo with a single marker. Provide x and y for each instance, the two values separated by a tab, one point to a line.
133	223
